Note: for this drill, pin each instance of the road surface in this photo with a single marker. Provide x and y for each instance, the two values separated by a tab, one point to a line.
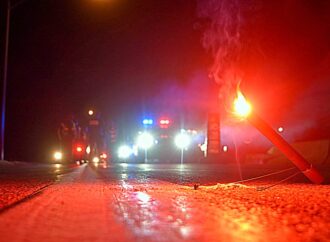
149	202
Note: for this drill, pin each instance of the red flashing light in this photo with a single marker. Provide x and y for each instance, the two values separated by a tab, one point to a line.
164	123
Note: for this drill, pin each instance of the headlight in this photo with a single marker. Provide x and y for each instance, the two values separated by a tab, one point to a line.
58	155
182	141
145	141
88	150
124	152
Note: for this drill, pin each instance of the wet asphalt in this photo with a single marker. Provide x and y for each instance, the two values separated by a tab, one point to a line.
189	202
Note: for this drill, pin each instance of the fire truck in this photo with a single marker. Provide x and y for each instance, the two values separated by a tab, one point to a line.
82	144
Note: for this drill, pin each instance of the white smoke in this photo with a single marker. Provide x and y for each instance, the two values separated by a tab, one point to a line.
223	39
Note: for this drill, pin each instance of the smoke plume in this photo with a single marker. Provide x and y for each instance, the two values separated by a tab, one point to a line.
223	39
278	50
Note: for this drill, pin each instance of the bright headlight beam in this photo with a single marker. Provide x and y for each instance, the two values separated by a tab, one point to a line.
182	141
58	155
145	141
124	152
88	150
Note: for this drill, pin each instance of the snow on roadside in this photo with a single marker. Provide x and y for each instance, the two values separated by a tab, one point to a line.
17	182
224	186
14	191
11	163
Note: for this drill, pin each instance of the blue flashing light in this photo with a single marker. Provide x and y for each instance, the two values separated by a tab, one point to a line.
147	121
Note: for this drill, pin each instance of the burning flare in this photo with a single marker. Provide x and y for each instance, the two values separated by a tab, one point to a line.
241	106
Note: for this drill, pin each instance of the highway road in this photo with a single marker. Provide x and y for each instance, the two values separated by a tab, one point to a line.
159	202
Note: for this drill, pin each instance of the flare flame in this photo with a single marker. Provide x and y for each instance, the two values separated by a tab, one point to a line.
241	106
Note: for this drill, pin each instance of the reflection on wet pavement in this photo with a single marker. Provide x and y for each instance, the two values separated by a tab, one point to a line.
125	202
155	210
150	214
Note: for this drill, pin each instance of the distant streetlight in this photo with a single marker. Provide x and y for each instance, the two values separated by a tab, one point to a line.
90	112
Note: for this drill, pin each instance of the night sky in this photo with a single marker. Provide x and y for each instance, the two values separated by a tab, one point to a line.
127	58
114	56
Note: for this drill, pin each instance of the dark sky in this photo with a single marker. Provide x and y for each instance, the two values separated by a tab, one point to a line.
130	57
115	56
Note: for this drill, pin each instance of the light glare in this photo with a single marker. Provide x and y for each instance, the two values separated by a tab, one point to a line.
241	106
143	197
96	159
103	156
145	141
58	155
164	121
124	152
147	121
182	141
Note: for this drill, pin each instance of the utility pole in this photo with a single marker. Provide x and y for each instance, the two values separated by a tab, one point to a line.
4	82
